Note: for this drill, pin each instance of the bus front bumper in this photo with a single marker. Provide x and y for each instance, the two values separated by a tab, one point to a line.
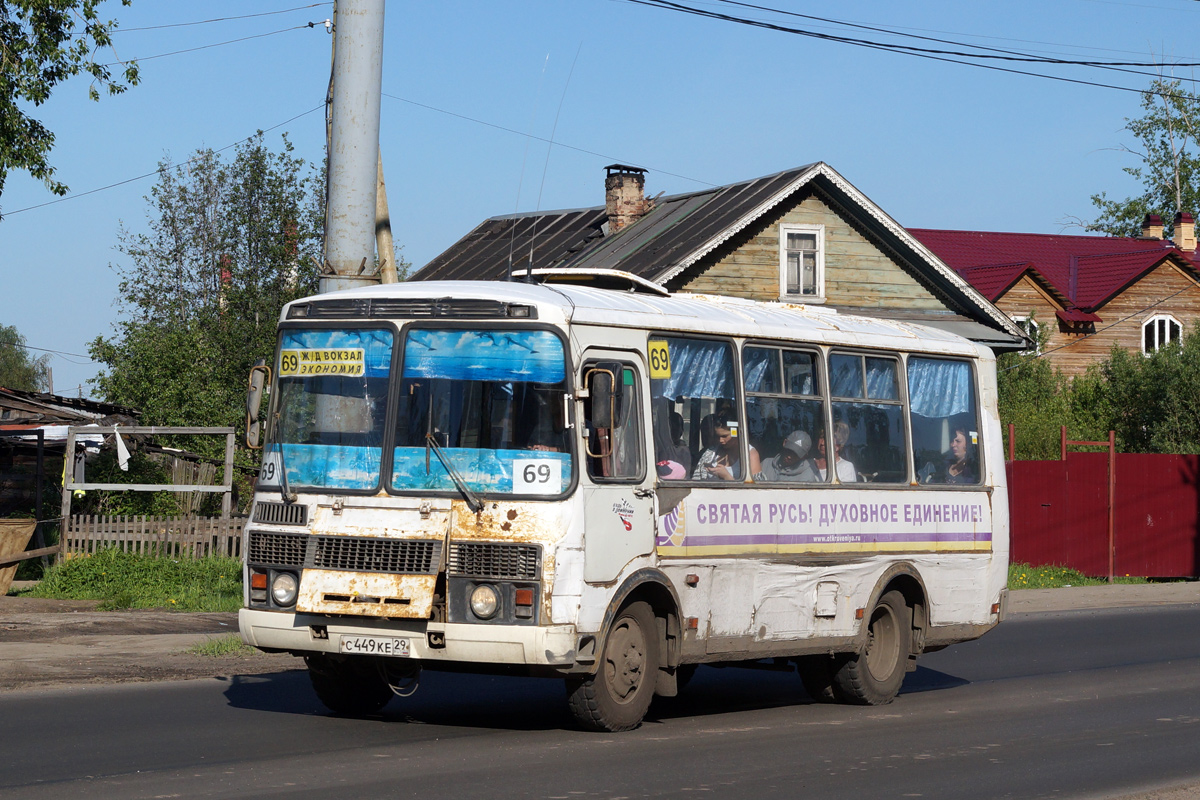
550	645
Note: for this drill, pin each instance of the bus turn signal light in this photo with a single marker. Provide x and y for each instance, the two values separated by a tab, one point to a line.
258	580
524	597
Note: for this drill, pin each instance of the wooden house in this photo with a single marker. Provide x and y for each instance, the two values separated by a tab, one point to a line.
805	235
1083	293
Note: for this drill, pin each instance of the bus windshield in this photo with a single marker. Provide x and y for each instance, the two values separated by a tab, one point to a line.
331	408
493	401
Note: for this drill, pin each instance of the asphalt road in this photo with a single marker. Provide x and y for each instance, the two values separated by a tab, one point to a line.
1063	705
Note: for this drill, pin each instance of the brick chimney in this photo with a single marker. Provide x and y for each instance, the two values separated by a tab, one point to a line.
1185	231
1152	227
624	195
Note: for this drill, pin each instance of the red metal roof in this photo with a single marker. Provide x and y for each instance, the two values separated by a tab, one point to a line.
1075	315
1084	271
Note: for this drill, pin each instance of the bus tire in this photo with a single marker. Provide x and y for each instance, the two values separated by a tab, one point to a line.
873	677
816	673
617	697
348	686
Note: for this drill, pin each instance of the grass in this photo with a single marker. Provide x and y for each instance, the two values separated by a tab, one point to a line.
223	646
121	580
1024	576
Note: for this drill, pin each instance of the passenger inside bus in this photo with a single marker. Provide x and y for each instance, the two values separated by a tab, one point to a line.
961	463
672	460
790	464
820	462
722	461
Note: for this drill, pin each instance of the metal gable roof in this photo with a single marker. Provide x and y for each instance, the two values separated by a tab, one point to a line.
680	230
1086	271
484	253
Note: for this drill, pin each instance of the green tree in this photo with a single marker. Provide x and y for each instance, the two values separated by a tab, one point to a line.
227	245
1152	399
1035	398
44	42
1170	164
18	368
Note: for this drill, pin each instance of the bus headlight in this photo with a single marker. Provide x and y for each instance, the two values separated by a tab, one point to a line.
283	588
485	602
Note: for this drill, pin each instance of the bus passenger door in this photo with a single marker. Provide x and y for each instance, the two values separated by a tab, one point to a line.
618	494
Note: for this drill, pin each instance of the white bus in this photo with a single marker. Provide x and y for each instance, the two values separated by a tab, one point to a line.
614	485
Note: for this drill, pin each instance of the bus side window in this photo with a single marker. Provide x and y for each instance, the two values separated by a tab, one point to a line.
868	419
694	390
945	428
783	406
614	434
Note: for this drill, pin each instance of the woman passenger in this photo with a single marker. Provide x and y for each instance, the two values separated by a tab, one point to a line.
722	461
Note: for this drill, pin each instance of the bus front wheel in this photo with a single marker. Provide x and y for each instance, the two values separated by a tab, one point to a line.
348	686
617	697
873	677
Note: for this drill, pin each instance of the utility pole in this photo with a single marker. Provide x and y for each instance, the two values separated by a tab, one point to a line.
354	146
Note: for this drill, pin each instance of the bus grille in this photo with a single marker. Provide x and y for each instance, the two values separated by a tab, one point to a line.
403	556
349	553
281	513
501	561
279	549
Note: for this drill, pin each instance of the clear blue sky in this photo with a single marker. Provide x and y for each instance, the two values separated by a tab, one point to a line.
695	101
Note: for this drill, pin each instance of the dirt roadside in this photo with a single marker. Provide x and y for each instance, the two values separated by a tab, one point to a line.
67	642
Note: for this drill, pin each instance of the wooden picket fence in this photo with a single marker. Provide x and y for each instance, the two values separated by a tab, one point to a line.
167	536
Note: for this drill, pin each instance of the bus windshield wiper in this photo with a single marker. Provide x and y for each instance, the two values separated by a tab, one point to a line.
284	491
473	502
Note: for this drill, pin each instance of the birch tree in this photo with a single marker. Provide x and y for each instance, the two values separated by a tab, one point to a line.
1168	152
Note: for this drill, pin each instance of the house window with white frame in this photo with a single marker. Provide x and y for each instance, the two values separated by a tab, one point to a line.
1159	331
1029	327
802	262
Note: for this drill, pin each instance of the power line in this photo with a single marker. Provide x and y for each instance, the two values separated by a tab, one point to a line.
155	172
932	55
217	44
540	138
60	353
218	19
994	53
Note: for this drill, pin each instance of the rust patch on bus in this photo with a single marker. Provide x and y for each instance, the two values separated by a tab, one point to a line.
366	594
506	522
517	522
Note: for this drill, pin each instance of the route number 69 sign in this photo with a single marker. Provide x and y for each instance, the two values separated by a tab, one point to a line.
537	476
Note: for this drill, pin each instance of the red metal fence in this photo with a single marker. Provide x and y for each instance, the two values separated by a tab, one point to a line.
1059	514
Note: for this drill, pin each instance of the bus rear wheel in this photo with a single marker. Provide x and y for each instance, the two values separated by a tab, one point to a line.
617	697
350	686
873	677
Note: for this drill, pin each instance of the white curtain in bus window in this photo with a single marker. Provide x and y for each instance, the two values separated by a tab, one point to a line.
784	411
868	421
333	387
696	393
945	428
493	400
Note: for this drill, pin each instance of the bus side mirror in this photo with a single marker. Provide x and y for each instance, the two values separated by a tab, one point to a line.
605	390
260	376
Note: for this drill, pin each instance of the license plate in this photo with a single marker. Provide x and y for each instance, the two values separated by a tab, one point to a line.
374	645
